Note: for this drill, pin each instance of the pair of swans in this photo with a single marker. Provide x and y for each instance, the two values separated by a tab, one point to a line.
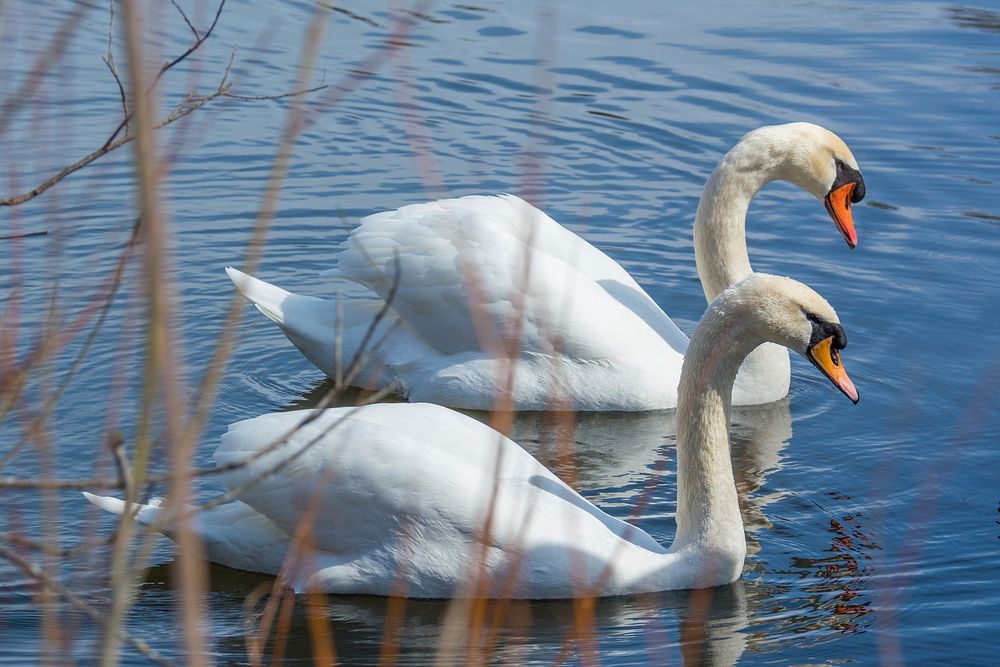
419	500
493	302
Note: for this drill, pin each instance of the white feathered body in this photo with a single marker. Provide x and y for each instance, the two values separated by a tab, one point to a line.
483	280
416	499
398	497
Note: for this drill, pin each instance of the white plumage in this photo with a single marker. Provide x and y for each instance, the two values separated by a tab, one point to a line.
417	499
486	279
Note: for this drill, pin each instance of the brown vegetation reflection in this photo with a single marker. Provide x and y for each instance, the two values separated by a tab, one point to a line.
836	595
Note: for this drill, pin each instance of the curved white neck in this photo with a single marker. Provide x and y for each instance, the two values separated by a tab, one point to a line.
720	246
707	506
709	546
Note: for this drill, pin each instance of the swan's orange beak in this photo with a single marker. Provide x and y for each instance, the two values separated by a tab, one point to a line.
838	204
827	358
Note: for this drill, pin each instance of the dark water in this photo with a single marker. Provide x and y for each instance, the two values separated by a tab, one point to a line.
873	529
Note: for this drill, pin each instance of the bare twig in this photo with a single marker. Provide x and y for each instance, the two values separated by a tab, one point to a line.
24	235
293	125
51	344
194	30
160	390
235	492
78	483
112	483
199	40
190	104
109	60
50	549
257	98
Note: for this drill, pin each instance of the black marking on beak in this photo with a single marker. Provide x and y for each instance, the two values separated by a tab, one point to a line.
848	174
822	329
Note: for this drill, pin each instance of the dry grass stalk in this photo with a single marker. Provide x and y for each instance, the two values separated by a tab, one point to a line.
158	375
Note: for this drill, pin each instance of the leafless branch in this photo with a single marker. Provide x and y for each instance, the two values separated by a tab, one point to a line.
255	98
190	104
102	300
116	140
109	60
25	235
120	482
49	549
186	20
199	40
382	312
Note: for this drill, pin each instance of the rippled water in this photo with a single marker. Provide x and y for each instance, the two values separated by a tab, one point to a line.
873	529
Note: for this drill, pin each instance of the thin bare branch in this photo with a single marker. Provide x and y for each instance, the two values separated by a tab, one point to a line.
111	483
121	87
229	66
78	483
24	235
382	312
235	492
191	49
102	300
255	98
109	60
210	380
170	65
49	549
194	30
187	106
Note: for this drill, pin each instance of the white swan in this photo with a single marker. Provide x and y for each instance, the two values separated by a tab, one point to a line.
486	279
402	491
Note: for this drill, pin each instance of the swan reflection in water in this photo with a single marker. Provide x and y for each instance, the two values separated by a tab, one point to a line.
706	627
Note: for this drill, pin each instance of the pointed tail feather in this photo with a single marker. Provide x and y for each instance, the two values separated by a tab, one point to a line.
310	323
146	514
106	503
307	321
269	299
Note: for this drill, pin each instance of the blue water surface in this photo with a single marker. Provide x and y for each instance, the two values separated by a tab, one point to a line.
872	529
